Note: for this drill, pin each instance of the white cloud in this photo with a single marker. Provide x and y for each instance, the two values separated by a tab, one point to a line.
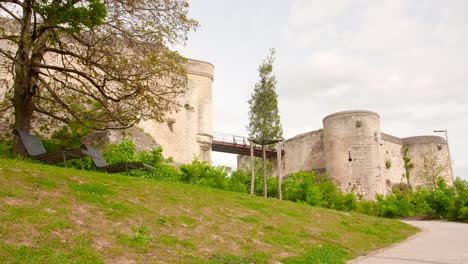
407	60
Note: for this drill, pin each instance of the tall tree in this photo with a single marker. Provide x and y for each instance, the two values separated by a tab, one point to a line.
264	120
105	64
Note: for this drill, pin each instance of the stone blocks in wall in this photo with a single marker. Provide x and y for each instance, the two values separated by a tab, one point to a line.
359	158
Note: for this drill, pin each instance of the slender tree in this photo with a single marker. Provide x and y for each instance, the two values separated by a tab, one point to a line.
433	169
264	120
105	64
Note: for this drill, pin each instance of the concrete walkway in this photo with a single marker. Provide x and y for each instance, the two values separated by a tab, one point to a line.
438	243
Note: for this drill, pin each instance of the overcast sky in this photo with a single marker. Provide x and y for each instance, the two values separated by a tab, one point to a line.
406	60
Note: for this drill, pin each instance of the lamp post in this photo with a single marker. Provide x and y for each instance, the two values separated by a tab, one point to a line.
448	148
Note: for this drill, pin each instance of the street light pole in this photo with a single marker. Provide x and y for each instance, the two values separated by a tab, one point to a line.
448	149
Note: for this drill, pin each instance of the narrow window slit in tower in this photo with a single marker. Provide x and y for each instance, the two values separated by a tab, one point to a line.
350	159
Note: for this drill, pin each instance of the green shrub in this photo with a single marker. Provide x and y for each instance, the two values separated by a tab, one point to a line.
303	187
393	206
459	209
201	173
124	151
309	188
67	137
324	254
239	181
440	200
463	214
6	150
368	207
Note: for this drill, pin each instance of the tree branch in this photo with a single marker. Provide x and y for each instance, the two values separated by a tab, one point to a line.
42	111
6	54
10	13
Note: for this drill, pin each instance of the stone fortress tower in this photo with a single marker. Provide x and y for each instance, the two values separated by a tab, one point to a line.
359	157
184	135
352	155
188	134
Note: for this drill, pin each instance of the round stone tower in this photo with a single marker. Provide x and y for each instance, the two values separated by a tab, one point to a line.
430	157
187	134
352	151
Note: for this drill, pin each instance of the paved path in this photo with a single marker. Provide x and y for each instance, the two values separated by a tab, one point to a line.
439	243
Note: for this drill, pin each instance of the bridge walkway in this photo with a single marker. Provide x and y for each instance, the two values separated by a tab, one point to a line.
233	144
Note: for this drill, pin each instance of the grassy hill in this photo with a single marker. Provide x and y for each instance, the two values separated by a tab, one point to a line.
56	215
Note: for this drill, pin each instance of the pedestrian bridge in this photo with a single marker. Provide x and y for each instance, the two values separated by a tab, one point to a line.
240	145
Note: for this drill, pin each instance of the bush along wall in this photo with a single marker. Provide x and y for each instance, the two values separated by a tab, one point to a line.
441	201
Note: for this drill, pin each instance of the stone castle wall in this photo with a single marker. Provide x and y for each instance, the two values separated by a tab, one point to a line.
351	151
304	158
394	175
187	134
418	148
358	157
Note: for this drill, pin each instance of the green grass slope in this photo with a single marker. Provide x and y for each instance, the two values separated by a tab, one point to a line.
57	215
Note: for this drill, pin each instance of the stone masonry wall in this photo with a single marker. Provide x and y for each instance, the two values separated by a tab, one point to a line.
304	152
418	147
187	134
394	175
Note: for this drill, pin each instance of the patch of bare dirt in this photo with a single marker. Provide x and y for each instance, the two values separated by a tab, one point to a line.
77	180
12	201
100	243
122	260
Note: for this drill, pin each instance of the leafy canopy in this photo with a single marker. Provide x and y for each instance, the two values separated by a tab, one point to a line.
104	64
264	119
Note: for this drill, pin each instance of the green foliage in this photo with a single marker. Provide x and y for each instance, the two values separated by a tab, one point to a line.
408	164
66	137
264	119
393	206
201	173
326	254
459	209
126	152
388	164
71	17
6	150
440	200
119	55
302	187
317	190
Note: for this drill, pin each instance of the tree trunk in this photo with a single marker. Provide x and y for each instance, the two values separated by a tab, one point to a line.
279	165
23	85
265	190
24	108
252	168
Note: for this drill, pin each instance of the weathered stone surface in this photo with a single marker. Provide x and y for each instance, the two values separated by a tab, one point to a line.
357	156
142	140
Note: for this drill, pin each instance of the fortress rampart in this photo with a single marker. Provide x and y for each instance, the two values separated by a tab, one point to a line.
359	157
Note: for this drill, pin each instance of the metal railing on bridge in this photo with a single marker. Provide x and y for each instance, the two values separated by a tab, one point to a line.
233	139
234	144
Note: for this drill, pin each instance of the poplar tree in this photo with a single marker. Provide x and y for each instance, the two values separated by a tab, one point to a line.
264	120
